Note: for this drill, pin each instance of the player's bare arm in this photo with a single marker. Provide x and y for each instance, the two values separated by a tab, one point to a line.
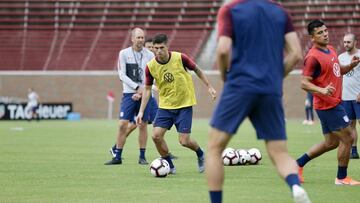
307	85
205	80
292	51
354	62
145	98
223	55
358	98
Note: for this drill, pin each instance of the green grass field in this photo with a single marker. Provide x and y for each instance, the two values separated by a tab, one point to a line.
61	161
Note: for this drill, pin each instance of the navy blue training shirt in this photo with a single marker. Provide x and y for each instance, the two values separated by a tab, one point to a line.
257	28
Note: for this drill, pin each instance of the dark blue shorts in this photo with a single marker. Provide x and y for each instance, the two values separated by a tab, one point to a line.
182	118
333	119
352	109
264	111
130	108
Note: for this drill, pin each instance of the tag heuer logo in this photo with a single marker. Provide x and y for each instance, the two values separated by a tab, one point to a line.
2	111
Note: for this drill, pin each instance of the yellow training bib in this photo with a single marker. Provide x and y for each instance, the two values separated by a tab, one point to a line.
176	88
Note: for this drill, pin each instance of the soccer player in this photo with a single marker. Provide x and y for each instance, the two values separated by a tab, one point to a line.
131	66
309	110
322	76
252	37
32	105
351	88
149	44
176	98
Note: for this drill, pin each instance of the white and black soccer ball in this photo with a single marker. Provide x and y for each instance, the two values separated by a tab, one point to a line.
244	156
255	155
230	157
159	168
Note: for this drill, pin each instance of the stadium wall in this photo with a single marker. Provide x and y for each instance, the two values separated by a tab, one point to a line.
87	91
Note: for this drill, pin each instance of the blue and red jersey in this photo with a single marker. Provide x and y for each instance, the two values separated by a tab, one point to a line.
323	66
257	52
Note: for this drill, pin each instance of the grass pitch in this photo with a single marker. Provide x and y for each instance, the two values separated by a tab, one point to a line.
61	161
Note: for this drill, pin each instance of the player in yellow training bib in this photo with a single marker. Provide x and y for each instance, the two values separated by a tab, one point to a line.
176	97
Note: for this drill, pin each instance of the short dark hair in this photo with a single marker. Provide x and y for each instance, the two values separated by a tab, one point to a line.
149	40
314	24
160	38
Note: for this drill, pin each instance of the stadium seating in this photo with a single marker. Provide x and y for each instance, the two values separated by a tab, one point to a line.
340	16
87	34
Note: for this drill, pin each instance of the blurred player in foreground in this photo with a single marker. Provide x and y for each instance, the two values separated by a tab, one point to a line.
252	37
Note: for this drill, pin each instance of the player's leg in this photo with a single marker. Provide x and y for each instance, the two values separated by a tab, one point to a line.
127	113
183	122
353	150
346	141
287	168
162	147
218	140
162	123
232	108
143	135
352	109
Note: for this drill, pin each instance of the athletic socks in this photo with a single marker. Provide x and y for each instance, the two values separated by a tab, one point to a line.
118	153
354	150
142	153
215	196
199	152
342	172
303	160
292	179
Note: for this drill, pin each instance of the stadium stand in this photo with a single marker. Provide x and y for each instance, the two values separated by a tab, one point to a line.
340	16
87	34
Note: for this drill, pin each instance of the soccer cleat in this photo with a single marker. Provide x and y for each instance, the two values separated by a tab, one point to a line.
346	181
114	161
354	155
172	171
201	164
299	194
305	122
300	174
310	122
142	161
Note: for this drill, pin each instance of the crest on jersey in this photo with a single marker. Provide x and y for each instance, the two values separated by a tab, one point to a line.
2	111
168	77
336	70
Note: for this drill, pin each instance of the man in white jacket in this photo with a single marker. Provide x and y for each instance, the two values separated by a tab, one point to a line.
131	66
351	87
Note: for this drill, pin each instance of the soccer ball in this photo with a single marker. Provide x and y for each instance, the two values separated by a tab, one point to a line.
159	168
230	157
244	156
255	155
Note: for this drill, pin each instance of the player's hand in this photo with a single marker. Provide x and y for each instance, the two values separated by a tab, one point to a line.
136	97
355	61
139	119
212	92
358	98
328	90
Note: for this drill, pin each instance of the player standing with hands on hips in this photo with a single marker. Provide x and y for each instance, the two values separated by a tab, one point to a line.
176	98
